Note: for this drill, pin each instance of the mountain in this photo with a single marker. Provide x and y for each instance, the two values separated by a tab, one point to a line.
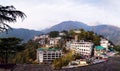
67	25
23	34
110	32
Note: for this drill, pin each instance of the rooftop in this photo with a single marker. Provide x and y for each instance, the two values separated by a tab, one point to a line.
99	47
48	49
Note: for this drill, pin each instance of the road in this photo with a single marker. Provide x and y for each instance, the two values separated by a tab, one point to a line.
113	64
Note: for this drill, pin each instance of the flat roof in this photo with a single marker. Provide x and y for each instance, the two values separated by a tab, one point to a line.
99	47
48	49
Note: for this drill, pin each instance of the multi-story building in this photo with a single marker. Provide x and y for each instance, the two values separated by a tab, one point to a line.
48	55
105	43
82	47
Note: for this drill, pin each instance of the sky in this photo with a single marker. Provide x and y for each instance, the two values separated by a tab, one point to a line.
43	14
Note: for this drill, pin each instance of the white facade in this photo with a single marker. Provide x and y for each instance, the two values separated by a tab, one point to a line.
40	37
105	43
48	55
55	41
77	31
61	34
82	47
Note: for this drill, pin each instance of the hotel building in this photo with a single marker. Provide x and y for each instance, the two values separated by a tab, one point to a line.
82	47
48	55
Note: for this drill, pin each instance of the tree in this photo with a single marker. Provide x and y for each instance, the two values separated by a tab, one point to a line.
8	46
9	14
28	55
54	34
63	61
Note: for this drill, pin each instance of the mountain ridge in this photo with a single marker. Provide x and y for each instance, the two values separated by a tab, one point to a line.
108	31
24	34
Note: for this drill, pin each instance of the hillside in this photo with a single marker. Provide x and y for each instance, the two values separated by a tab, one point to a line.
24	34
110	32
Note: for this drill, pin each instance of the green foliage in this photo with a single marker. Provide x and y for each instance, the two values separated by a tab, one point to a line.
77	56
9	46
63	61
28	55
54	34
9	14
117	48
87	36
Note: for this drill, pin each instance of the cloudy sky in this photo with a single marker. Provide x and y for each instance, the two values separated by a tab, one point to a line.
45	13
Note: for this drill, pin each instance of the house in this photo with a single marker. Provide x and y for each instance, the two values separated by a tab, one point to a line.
77	31
105	43
54	41
62	34
42	39
99	51
84	48
48	55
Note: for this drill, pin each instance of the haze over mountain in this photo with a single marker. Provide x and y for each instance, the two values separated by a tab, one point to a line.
67	25
110	32
23	34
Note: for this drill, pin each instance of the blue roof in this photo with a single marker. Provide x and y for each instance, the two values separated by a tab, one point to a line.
99	47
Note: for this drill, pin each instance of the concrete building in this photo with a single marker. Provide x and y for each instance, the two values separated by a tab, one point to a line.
62	34
82	47
77	31
105	43
99	50
42	39
48	55
54	41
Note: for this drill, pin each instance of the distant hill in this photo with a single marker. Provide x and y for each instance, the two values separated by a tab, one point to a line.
67	25
24	34
110	32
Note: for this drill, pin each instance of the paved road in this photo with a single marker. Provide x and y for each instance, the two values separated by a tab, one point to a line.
112	65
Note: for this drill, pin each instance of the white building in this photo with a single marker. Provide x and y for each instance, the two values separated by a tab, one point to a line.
62	34
48	55
77	31
40	37
55	41
82	47
105	43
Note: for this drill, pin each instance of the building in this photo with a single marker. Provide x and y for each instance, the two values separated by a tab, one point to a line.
77	31
105	43
99	50
82	47
100	53
54	41
48	55
42	39
62	34
76	36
